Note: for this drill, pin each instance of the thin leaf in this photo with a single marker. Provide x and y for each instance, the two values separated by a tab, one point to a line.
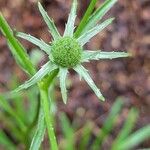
41	44
16	48
63	76
39	134
83	73
98	14
135	139
68	132
6	142
71	20
108	124
127	128
85	18
83	39
96	55
49	22
47	68
6	106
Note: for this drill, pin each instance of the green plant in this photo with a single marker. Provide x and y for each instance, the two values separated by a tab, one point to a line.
125	140
58	65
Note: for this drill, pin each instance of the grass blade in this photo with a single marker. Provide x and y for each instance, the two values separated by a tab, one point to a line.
71	20
98	14
16	48
68	132
5	105
49	22
6	142
83	39
108	124
85	18
135	139
127	128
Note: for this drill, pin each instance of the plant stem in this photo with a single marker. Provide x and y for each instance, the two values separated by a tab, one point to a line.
85	18
48	119
45	103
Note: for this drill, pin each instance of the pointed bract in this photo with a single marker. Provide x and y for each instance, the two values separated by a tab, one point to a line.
83	39
49	22
96	55
63	75
47	68
71	20
40	43
98	14
83	73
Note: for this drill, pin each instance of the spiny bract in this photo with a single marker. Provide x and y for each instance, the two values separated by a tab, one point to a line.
67	51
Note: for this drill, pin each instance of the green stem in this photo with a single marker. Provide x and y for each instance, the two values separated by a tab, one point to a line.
45	103
85	18
48	118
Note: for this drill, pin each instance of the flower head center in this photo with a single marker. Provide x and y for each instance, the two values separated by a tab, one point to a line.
66	52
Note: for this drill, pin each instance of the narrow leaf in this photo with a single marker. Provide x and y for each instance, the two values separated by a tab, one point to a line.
108	124
98	14
136	138
68	132
39	133
47	68
83	39
96	55
6	142
16	48
127	128
41	44
85	18
71	20
63	76
83	73
49	22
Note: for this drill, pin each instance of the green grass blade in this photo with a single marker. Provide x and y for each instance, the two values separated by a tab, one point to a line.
5	105
41	44
68	132
84	38
98	14
39	133
83	73
108	124
6	142
71	20
47	68
63	76
86	134
49	22
97	55
135	139
127	128
16	48
85	18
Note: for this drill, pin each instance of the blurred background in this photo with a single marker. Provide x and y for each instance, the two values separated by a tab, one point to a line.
128	78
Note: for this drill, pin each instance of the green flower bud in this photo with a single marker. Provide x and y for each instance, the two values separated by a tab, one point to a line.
66	52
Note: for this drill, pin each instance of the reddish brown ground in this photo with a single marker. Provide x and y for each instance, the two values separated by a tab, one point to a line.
129	78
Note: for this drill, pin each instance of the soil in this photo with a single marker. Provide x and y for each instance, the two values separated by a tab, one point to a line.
128	78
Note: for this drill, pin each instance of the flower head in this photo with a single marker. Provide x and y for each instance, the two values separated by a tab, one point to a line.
67	52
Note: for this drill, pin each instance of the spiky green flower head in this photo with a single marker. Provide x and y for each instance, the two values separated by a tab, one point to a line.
67	52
